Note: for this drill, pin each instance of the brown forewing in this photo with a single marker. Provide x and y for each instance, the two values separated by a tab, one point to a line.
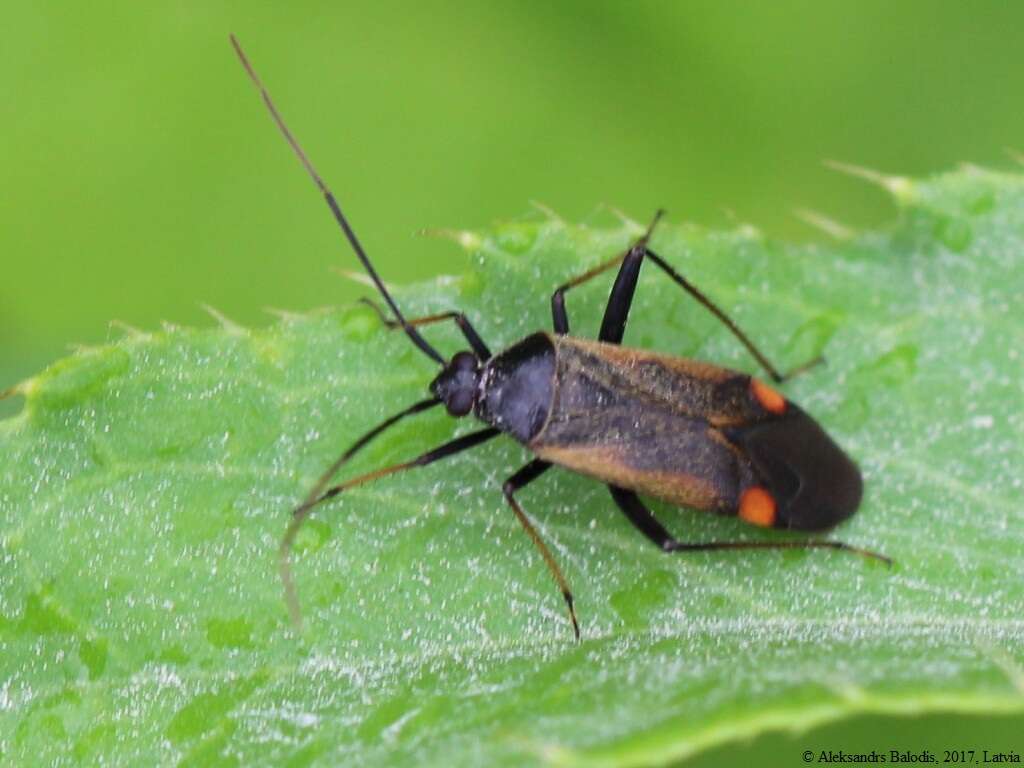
648	422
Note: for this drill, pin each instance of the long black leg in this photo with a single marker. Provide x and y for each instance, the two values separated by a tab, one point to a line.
478	345
302	512
362	442
559	316
640	516
520	479
613	324
727	321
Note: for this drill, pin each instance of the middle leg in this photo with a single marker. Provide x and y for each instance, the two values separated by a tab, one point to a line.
616	313
519	480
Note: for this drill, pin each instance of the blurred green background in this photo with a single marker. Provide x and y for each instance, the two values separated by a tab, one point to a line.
141	176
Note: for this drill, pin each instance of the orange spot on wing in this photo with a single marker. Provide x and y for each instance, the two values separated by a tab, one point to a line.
757	507
770	399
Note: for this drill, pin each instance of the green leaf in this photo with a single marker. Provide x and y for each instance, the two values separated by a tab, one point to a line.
146	484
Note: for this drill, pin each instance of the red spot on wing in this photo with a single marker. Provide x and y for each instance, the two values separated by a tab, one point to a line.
758	507
771	400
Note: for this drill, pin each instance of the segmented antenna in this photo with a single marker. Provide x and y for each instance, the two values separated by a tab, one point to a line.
332	203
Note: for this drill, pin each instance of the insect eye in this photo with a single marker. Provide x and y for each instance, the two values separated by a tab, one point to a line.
460	402
457	384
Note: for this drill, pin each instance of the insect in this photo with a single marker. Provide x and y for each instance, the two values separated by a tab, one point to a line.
680	430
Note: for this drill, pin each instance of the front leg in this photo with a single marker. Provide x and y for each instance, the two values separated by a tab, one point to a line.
475	342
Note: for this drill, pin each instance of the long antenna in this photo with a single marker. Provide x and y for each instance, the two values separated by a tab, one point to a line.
332	203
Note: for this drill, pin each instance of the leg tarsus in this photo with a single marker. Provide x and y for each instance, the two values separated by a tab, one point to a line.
658	215
567	596
803	368
803	544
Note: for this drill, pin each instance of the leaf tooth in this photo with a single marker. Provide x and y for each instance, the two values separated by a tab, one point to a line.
971	169
229	325
1001	659
130	331
900	187
291	316
283	314
548	211
21	388
361	278
743	229
824	223
749	231
740	228
632	225
847	690
84	349
471	241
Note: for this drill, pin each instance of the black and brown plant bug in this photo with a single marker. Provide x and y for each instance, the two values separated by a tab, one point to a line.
680	430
